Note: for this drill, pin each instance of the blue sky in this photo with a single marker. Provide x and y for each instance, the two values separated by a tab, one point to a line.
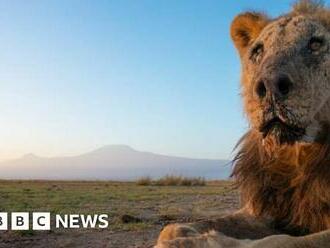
160	76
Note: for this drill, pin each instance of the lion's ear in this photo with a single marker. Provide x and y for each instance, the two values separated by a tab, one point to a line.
245	28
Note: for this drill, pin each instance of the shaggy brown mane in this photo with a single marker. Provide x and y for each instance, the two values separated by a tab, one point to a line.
291	185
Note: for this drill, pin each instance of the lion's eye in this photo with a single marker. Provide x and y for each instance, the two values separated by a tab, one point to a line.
315	44
256	53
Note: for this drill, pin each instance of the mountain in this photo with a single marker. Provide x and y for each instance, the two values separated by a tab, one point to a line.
114	162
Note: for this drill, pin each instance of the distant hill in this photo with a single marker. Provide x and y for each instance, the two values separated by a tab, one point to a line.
114	162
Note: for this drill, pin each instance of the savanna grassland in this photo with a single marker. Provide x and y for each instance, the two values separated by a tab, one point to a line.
137	212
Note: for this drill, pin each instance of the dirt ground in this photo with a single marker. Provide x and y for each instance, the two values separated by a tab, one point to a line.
149	209
143	238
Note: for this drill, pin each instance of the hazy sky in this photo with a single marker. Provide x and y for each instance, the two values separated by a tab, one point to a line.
158	75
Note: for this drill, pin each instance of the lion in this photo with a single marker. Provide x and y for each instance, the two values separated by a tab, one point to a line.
282	164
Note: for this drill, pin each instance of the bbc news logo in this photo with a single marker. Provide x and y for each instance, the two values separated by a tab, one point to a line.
42	221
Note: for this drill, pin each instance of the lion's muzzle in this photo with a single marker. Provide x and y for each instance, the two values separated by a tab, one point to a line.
281	130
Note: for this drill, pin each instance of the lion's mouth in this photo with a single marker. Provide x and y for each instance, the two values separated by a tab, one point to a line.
283	132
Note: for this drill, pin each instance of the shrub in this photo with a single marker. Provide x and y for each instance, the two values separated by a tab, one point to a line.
171	180
195	181
144	181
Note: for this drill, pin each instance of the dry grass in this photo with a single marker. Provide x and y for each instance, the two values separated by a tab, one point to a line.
175	196
144	181
171	180
150	207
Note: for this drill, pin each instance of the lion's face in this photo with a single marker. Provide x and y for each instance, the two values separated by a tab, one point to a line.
286	75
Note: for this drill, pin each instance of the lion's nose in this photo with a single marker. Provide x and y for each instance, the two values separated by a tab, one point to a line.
279	86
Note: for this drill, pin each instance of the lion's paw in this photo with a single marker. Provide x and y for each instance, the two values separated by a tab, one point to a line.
174	231
210	239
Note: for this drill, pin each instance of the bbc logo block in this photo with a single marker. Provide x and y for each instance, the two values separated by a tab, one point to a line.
3	221
21	221
41	221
